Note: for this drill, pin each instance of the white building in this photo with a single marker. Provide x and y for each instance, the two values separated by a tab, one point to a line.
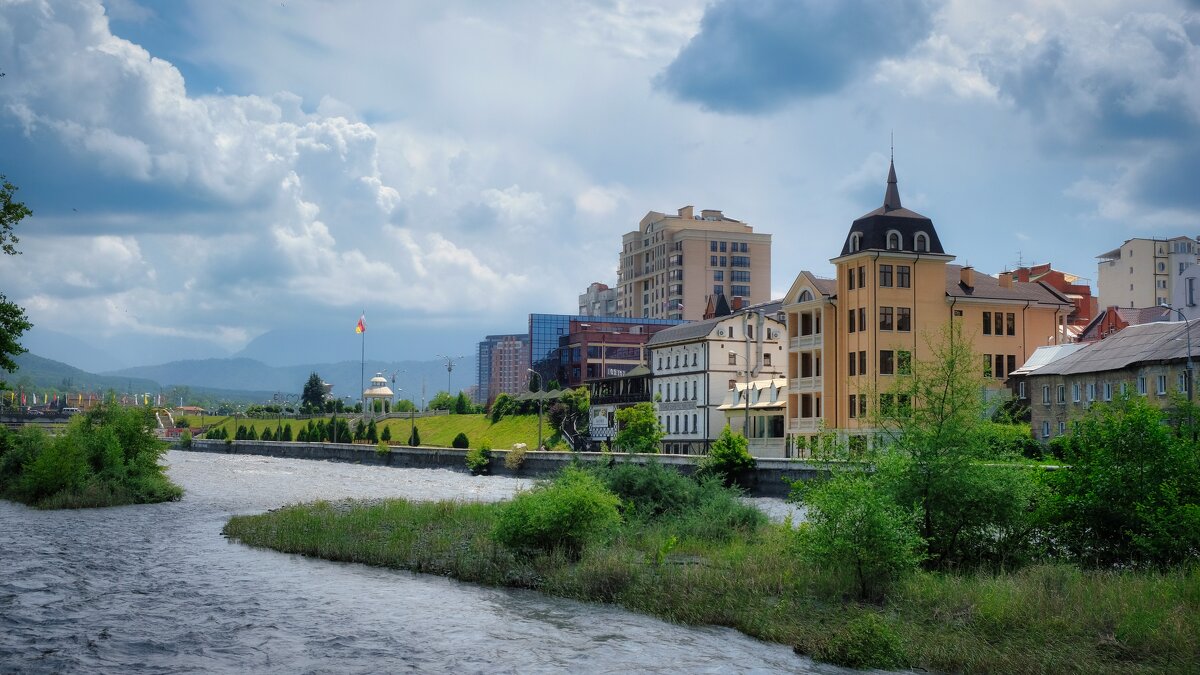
696	364
765	402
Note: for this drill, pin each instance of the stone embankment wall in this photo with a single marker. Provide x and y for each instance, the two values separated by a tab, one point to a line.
765	481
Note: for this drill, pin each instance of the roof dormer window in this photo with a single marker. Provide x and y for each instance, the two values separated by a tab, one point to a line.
855	242
893	241
921	242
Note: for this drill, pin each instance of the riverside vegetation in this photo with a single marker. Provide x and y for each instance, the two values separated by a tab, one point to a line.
938	547
107	456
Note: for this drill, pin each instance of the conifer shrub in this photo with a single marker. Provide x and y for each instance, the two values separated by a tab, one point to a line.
414	439
460	441
386	436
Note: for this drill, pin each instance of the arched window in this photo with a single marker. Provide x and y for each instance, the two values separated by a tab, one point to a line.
805	296
893	241
921	242
855	241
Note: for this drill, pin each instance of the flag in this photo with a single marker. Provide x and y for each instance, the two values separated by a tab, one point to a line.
362	324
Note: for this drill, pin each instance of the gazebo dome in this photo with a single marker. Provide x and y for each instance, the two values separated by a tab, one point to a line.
378	388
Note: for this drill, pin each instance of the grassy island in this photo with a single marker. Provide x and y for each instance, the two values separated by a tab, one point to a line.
652	541
107	456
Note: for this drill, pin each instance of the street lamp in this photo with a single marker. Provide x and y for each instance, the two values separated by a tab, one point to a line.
539	395
746	359
1187	332
449	368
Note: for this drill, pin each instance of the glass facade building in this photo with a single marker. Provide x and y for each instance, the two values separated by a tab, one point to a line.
554	357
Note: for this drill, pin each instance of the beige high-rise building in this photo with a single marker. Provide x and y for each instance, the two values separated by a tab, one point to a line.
671	264
1142	272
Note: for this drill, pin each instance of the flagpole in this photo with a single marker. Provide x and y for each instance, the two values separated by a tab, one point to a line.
362	365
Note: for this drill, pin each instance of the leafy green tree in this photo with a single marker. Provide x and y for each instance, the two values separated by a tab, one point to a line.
856	533
13	322
937	456
442	401
1130	491
404	405
569	415
503	405
727	458
312	398
639	429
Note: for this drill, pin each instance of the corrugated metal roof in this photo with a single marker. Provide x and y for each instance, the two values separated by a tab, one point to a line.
1143	343
1046	355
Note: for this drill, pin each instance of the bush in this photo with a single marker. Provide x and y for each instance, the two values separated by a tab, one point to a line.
386	435
182	423
727	458
185	439
866	641
460	441
561	515
479	460
382	449
515	457
858	534
414	439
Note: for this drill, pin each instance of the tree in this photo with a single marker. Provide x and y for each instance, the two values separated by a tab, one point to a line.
313	396
441	401
404	405
640	430
372	432
535	381
938	456
386	435
728	457
414	439
569	415
13	322
462	406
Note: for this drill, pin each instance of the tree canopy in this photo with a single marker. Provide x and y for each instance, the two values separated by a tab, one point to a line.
313	396
13	322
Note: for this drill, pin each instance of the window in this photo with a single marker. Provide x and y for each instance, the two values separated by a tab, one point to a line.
855	242
660	363
695	355
723	261
987	323
1124	388
862	363
999	371
1183	384
903	276
862	318
1062	428
862	406
921	242
743	291
1046	394
893	241
903	319
732	359
904	362
885	318
1021	390
862	276
722	245
712	246
853	363
1062	393
1162	385
1075	392
694	427
719	275
987	365
731	385
1108	391
1012	364
850	279
1046	429
1010	321
885	276
718	289
712	261
766	358
740	275
1091	392
853	406
1191	291
676	360
1141	384
886	365
739	261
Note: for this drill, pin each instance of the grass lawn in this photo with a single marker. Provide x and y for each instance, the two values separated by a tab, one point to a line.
436	431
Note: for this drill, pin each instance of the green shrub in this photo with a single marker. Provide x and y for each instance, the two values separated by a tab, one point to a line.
386	435
515	457
561	515
650	490
414	439
382	448
857	534
727	458
561	446
185	439
182	423
866	641
479	460
460	441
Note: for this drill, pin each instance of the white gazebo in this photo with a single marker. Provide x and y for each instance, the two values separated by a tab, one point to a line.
377	390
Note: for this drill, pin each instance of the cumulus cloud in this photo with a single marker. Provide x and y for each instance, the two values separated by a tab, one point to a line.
756	56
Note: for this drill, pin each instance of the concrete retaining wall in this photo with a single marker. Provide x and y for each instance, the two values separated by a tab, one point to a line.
766	481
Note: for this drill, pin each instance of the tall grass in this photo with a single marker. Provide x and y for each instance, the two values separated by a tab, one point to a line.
693	555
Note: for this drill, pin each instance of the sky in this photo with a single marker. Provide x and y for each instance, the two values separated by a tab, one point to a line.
211	178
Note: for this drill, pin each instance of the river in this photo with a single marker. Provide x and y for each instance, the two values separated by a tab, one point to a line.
157	589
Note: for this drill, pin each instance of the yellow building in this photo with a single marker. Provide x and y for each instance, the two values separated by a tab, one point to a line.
895	288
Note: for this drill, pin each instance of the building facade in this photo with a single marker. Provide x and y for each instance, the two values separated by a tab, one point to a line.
695	366
610	394
672	263
895	289
598	300
501	366
1149	360
574	349
764	404
1143	272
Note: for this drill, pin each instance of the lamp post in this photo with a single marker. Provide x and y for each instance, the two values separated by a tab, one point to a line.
449	368
540	399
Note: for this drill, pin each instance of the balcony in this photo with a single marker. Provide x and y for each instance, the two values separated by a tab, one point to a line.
804	385
812	341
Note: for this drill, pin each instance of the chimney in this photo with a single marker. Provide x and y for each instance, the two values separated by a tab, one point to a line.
737	303
711	214
685	212
967	277
1006	279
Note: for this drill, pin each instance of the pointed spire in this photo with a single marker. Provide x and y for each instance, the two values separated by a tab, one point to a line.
891	198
